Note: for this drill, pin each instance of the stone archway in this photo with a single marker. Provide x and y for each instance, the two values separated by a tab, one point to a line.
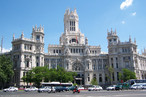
79	69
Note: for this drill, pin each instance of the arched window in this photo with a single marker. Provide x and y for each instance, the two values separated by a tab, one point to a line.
73	40
27	64
77	67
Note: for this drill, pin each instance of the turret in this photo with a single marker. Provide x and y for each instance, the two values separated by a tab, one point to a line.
112	37
38	34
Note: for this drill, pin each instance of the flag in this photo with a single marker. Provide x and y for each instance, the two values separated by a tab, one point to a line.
76	39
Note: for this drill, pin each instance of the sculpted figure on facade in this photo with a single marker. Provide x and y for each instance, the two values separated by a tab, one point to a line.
86	41
67	51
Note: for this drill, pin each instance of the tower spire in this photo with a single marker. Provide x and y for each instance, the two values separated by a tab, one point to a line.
115	31
129	38
13	36
22	35
111	30
135	40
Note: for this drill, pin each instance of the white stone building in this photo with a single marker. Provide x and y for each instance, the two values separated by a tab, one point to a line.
75	54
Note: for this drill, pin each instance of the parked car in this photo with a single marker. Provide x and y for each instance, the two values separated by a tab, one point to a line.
52	90
135	87
61	89
98	88
11	89
31	89
143	86
81	88
44	89
119	86
95	88
92	88
111	87
71	88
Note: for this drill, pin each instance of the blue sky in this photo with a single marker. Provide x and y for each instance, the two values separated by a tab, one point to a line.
128	17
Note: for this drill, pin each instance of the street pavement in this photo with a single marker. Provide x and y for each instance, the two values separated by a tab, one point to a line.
84	93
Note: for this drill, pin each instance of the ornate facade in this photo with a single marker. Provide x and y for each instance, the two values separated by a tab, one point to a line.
75	54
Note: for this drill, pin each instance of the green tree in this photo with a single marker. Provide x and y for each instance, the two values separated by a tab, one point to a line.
6	71
43	74
38	75
94	81
111	71
127	74
28	78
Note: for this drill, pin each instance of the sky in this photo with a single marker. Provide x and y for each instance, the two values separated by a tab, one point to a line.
128	17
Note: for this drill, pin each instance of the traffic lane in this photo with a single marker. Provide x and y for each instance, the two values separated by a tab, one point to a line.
104	93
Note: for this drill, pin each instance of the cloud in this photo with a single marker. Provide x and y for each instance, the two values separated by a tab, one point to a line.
134	13
126	4
123	22
5	50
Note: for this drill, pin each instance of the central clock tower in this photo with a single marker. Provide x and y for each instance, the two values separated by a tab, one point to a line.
71	21
72	34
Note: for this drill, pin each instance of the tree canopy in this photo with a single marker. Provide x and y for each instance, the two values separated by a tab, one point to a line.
43	74
6	70
126	75
94	81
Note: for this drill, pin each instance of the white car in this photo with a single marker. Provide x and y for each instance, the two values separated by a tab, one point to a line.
31	89
51	90
112	87
46	89
93	88
11	89
81	88
98	88
136	87
143	86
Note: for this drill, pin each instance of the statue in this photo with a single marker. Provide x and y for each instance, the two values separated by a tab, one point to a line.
86	41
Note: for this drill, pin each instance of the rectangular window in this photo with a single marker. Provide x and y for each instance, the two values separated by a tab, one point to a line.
82	51
23	73
37	57
117	65
27	64
25	46
117	76
59	51
38	37
37	64
112	65
70	23
113	77
88	78
76	50
88	65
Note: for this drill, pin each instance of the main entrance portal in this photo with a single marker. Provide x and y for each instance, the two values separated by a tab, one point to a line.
79	69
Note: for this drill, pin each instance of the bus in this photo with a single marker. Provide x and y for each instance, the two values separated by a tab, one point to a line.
137	82
56	84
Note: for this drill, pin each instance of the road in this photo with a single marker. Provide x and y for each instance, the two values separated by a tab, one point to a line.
104	93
